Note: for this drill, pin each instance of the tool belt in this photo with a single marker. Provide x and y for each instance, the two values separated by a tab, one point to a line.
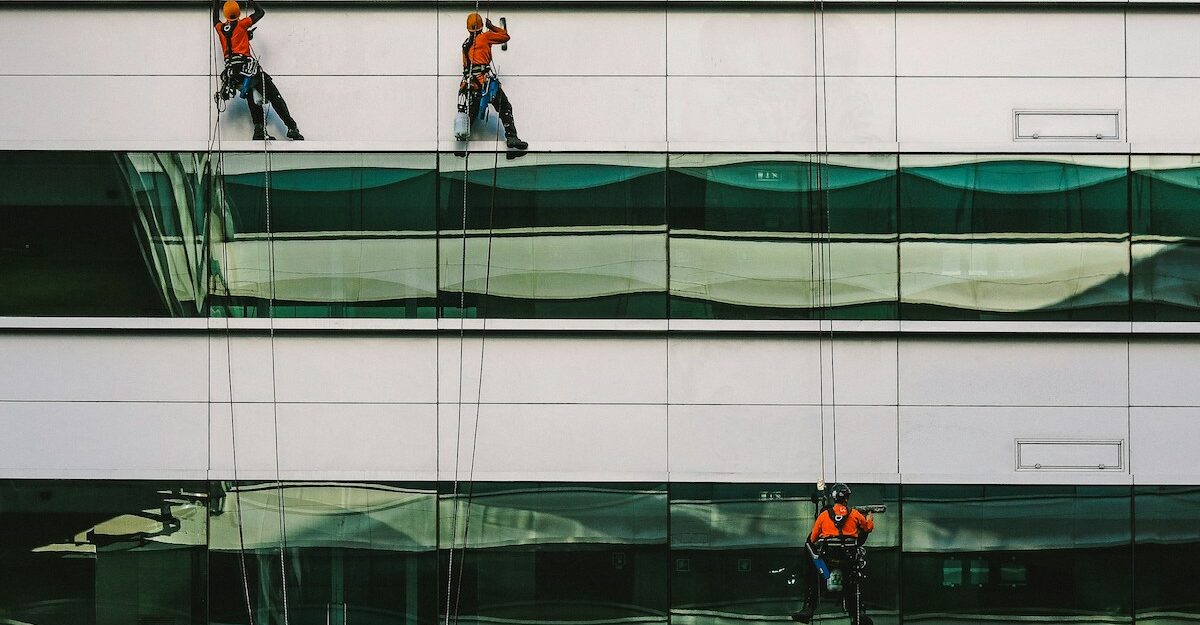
238	77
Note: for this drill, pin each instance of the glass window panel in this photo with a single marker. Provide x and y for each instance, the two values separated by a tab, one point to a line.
355	552
737	552
1034	552
748	236
1014	237
557	553
98	234
1166	550
102	552
554	236
352	235
1166	238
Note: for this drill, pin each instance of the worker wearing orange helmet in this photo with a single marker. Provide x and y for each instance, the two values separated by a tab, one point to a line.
479	84
838	523
234	33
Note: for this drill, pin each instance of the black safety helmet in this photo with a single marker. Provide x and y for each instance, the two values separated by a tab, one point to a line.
840	493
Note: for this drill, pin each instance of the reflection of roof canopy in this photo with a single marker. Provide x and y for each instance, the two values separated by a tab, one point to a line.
1017	177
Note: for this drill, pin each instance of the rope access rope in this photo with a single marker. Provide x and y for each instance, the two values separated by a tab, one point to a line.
218	191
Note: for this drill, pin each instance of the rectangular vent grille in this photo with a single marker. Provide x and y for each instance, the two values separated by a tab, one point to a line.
1084	455
1067	125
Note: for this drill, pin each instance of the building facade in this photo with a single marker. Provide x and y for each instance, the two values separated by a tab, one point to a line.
941	251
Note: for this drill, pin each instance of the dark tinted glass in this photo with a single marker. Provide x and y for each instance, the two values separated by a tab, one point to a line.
102	552
1166	238
1167	519
351	553
758	237
96	234
1030	237
1008	553
352	235
554	236
557	553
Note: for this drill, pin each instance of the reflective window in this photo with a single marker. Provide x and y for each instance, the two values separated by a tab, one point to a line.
102	552
352	235
95	234
748	236
553	236
556	553
352	553
1166	238
1013	553
1027	237
1167	547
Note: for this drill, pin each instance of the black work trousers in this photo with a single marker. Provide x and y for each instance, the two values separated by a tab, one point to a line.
499	102
851	593
270	94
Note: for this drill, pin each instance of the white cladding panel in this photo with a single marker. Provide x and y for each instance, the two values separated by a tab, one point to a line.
114	367
1013	371
1163	44
1009	43
744	443
94	440
955	113
1161	112
581	442
978	443
592	407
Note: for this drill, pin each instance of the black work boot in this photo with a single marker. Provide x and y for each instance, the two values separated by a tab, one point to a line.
515	143
293	133
803	616
260	134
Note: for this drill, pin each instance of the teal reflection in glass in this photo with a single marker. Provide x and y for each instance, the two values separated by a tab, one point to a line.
553	236
750	238
1166	549
351	235
1024	237
99	234
1166	238
102	552
1017	554
353	553
556	553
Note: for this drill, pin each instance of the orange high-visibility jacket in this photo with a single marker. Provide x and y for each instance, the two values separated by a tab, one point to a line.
480	52
857	525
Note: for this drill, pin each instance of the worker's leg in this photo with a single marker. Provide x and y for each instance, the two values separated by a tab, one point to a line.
811	581
271	93
256	116
504	109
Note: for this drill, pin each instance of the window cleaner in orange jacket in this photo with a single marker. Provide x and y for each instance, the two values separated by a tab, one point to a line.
845	529
242	73
480	86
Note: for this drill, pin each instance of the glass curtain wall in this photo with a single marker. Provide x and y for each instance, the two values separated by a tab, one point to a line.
1012	554
351	235
361	553
921	237
103	552
188	553
553	236
1014	237
758	237
556	553
1166	238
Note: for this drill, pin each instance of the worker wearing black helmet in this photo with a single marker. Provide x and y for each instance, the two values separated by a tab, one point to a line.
844	525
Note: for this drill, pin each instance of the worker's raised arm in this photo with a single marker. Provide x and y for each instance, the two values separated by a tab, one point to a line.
258	11
496	34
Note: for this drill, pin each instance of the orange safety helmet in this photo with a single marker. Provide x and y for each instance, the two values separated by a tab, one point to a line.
474	23
232	10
